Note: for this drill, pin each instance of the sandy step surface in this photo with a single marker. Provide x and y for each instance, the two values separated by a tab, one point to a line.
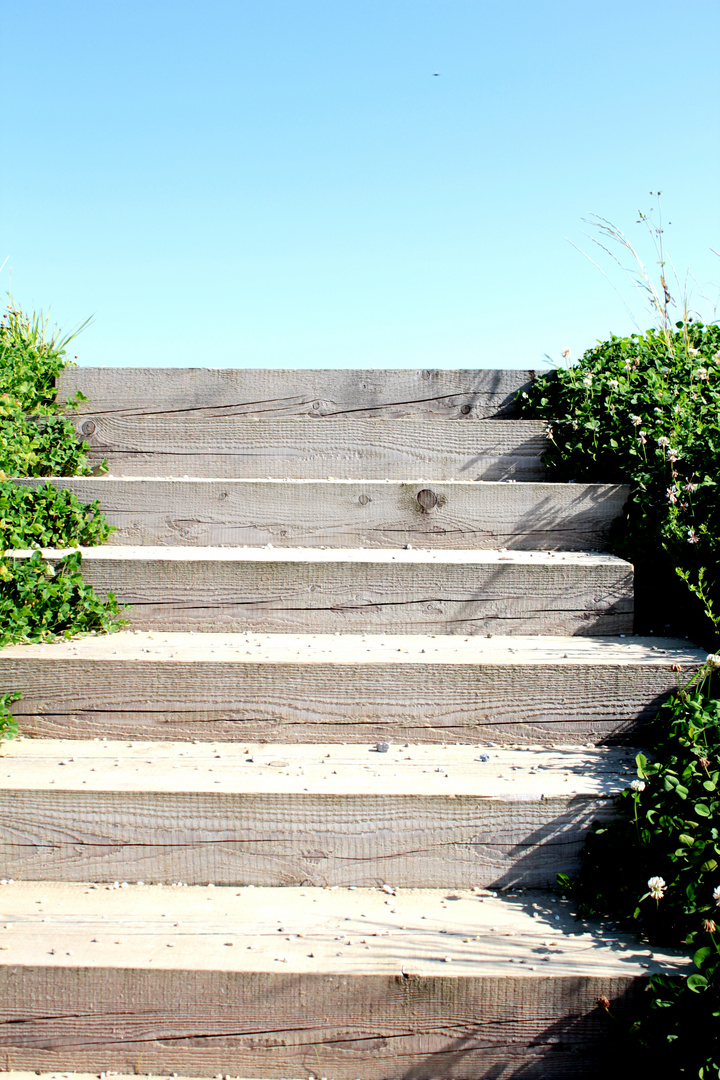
344	688
436	816
259	982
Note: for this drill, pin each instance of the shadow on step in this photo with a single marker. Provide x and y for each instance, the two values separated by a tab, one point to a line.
541	1027
554	846
586	1044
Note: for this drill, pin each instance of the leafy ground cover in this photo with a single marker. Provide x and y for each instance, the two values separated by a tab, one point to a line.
645	410
40	600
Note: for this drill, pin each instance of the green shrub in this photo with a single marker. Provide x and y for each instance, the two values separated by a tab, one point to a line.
645	410
40	601
8	723
667	828
48	517
31	357
46	446
656	868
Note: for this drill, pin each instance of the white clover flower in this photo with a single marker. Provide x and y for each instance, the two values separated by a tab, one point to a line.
565	352
657	887
672	495
693	352
716	894
690	486
587	380
613	384
672	455
693	537
663	441
702	373
713	660
637	785
637	420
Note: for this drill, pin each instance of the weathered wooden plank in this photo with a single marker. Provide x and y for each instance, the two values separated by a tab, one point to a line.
298	448
353	513
275	1025
315	688
281	590
429	816
258	840
263	981
213	392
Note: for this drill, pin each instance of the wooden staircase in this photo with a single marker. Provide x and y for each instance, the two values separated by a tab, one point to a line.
303	817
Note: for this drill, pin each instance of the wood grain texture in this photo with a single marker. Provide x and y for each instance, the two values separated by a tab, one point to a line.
358	981
370	514
427	816
294	591
298	448
293	839
309	689
213	392
277	1025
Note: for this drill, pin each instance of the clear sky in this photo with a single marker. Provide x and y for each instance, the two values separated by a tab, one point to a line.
287	183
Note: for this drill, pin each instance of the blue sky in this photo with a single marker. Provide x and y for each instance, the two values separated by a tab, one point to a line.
288	184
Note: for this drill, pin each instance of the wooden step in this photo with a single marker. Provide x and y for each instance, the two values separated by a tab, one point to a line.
254	814
354	688
282	982
350	590
213	392
299	448
353	513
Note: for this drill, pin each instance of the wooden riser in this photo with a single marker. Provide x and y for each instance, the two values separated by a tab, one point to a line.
212	392
353	513
346	688
297	448
281	590
286	982
416	816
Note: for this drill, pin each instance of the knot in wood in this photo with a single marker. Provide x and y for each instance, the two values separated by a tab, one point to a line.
88	427
427	499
